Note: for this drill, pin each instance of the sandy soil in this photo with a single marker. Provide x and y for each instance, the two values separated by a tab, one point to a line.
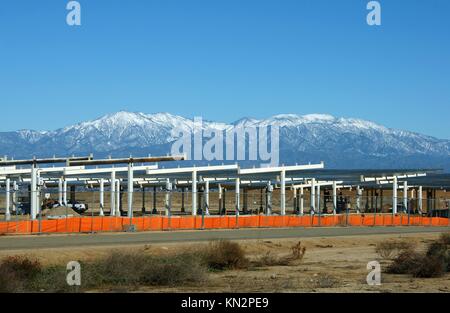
330	265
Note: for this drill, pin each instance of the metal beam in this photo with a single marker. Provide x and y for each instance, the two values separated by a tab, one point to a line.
73	171
194	192
179	170
128	160
283	191
334	197
130	189
102	197
113	193
313	196
8	199
238	198
262	170
44	161
394	196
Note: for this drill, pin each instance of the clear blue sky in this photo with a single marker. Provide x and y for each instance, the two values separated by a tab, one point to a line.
225	59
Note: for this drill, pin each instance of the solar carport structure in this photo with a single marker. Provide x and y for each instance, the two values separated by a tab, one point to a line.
305	184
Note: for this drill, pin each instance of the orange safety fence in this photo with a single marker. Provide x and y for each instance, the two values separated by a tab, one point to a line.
159	223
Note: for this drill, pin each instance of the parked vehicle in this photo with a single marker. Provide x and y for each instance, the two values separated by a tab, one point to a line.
23	208
78	207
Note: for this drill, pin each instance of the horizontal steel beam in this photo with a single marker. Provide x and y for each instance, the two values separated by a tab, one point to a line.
44	161
129	160
262	170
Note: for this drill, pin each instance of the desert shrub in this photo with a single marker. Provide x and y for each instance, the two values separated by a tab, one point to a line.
117	268
127	269
324	281
17	273
433	263
23	267
445	238
391	249
174	269
440	250
8	281
298	251
52	279
434	266
405	263
386	250
437	248
223	254
268	259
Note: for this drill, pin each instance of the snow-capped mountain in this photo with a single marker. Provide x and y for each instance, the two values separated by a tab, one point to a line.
340	142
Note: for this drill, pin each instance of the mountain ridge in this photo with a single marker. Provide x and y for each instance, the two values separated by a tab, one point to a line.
340	142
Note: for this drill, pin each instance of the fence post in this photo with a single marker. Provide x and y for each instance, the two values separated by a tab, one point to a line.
448	214
203	219
8	199
92	210
346	213
394	196
237	194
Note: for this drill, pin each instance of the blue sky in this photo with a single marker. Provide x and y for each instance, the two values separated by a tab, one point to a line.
225	59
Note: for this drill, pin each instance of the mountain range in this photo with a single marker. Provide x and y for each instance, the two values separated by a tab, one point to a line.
339	142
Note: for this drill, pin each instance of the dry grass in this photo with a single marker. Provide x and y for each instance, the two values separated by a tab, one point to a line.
391	249
433	263
123	269
430	267
323	281
268	259
118	269
445	238
298	251
184	267
406	262
223	255
137	268
17	271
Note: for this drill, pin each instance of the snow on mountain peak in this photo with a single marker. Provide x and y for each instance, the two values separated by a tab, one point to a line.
316	134
123	120
317	117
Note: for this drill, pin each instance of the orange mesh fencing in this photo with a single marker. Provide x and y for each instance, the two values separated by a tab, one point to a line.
158	223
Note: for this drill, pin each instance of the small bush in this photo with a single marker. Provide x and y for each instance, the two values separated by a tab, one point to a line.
386	250
324	281
128	269
440	250
8	281
445	238
430	267
268	259
222	254
52	279
405	263
22	266
117	268
437	249
17	272
434	263
298	251
176	269
391	249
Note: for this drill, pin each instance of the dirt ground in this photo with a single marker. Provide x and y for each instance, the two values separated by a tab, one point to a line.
330	265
